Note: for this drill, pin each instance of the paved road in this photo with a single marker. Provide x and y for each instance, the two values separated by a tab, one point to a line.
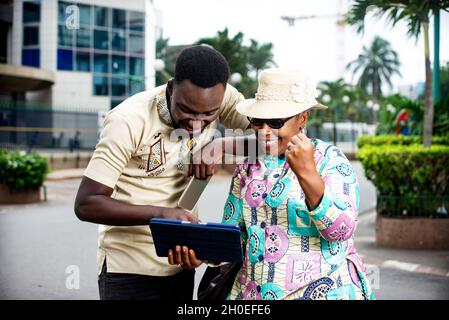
42	248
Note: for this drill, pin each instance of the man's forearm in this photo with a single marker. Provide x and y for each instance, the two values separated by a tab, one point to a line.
106	210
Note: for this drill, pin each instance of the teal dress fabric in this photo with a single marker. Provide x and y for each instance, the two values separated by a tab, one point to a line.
290	251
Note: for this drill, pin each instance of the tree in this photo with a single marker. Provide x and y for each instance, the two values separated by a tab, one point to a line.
260	56
231	48
167	54
335	90
376	65
356	109
441	125
444	80
416	14
241	58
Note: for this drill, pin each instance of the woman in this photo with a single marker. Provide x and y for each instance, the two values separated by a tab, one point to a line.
297	204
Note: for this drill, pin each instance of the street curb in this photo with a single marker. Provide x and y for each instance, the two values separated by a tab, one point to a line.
58	175
395	264
405	266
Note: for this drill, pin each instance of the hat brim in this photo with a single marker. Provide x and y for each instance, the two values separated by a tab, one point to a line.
274	109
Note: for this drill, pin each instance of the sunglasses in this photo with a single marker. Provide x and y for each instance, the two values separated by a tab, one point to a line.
276	123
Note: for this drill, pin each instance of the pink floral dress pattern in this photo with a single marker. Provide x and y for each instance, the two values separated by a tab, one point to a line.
291	252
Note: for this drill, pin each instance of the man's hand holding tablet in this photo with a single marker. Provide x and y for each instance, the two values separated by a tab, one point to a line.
184	257
189	244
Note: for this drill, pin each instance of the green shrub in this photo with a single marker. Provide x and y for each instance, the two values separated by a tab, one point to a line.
398	140
410	179
407	170
21	171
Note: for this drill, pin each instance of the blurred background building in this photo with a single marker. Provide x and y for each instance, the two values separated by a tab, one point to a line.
63	64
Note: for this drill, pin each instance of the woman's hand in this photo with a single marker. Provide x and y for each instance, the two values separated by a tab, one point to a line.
299	156
185	259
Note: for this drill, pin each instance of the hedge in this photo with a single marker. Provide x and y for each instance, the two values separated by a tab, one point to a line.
398	140
21	171
407	170
411	180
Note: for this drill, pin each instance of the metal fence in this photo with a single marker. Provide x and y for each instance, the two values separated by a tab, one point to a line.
413	206
27	127
30	126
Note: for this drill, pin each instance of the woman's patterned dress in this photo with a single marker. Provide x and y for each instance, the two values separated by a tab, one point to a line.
291	252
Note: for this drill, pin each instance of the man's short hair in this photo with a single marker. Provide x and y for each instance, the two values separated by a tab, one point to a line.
204	66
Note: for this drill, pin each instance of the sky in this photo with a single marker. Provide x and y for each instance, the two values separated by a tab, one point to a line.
313	45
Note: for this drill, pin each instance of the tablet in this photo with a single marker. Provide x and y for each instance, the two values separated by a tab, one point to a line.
215	242
192	193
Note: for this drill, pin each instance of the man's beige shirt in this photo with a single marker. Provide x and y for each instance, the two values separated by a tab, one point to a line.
137	158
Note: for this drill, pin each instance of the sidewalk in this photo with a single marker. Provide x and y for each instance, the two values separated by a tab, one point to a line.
77	173
65	174
417	261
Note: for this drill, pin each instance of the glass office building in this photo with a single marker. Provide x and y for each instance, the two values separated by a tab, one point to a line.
72	60
104	48
107	42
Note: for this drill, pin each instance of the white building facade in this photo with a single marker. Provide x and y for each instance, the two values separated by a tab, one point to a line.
101	51
64	64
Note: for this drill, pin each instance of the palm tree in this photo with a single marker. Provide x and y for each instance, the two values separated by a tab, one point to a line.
231	48
335	91
260	56
376	65
241	58
163	53
416	14
356	109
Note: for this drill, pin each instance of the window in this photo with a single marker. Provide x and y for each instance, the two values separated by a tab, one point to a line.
31	17
101	40
115	102
136	66
82	61
65	36
136	43
65	59
84	14
62	15
109	43
118	65
135	85
118	86
31	36
101	63
136	21
118	41
118	19
31	11
31	57
83	38
100	86
101	17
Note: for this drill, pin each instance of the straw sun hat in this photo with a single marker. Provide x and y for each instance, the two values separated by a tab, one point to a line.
281	94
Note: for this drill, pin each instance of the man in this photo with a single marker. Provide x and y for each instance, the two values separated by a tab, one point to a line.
138	171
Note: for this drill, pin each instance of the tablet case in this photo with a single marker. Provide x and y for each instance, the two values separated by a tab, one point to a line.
192	193
215	242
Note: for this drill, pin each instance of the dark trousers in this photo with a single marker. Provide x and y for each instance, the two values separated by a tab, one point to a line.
124	286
